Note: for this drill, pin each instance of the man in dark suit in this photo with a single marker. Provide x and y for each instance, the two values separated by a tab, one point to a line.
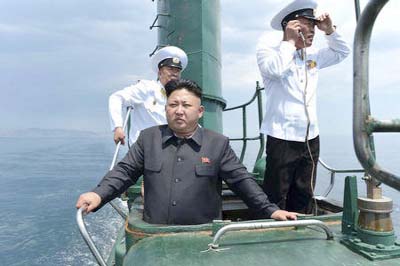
183	166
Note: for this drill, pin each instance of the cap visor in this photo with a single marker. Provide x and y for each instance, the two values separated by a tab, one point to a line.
310	18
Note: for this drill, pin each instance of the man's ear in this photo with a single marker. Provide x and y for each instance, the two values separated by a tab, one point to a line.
201	111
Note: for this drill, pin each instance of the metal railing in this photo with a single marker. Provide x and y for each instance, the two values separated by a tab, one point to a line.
265	225
86	236
333	173
260	138
245	138
81	212
363	124
114	160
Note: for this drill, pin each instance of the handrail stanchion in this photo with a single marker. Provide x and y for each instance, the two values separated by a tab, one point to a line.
363	124
87	238
245	138
80	213
333	172
265	225
128	113
115	206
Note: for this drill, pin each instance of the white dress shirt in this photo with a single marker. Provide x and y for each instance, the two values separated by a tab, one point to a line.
147	98
285	81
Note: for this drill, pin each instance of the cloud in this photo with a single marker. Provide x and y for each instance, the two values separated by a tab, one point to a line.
60	60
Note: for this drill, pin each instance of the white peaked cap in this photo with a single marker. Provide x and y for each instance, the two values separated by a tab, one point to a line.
290	8
172	52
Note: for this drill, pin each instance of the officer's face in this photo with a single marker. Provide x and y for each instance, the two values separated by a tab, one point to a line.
183	112
167	73
308	29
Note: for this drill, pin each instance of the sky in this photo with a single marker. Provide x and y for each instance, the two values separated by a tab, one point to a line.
60	60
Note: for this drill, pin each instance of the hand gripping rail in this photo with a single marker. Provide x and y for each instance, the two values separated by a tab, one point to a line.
80	212
363	124
264	225
87	238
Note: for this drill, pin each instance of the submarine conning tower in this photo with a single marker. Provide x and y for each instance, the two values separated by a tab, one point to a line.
194	26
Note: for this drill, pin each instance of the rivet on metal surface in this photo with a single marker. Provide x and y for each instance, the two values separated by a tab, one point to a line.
380	246
213	247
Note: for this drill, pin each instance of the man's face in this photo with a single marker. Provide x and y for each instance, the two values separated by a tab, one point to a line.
168	73
183	112
307	28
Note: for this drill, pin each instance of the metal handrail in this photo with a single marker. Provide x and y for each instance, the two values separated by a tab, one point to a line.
357	8
114	160
333	172
363	124
86	236
128	113
153	25
245	138
257	96
265	225
81	212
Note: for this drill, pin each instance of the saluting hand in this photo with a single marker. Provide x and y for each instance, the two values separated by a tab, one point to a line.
292	31
325	24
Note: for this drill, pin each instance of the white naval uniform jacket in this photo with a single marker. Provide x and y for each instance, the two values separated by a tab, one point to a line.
148	99
284	77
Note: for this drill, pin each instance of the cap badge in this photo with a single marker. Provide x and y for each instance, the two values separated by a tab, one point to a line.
175	60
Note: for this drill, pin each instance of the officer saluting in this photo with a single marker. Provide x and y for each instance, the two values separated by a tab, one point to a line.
290	74
146	97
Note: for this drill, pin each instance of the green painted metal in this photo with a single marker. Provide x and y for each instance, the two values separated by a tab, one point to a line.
350	210
363	122
258	247
137	229
374	125
119	249
376	238
370	244
259	169
194	26
374	252
245	138
133	192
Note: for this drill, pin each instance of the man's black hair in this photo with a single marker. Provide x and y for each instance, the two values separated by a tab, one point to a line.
187	84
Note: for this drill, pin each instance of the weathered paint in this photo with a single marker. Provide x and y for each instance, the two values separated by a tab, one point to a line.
194	26
259	247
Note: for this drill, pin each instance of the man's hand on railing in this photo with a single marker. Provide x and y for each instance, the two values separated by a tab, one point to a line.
90	199
119	135
282	215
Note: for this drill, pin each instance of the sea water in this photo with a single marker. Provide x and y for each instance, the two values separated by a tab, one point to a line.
42	177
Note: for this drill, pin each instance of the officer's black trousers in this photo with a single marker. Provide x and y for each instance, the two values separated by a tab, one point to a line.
288	171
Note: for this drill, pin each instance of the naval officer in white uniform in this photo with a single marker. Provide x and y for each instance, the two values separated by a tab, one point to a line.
147	97
290	74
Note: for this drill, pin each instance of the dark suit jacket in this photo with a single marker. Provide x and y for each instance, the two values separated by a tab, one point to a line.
183	177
